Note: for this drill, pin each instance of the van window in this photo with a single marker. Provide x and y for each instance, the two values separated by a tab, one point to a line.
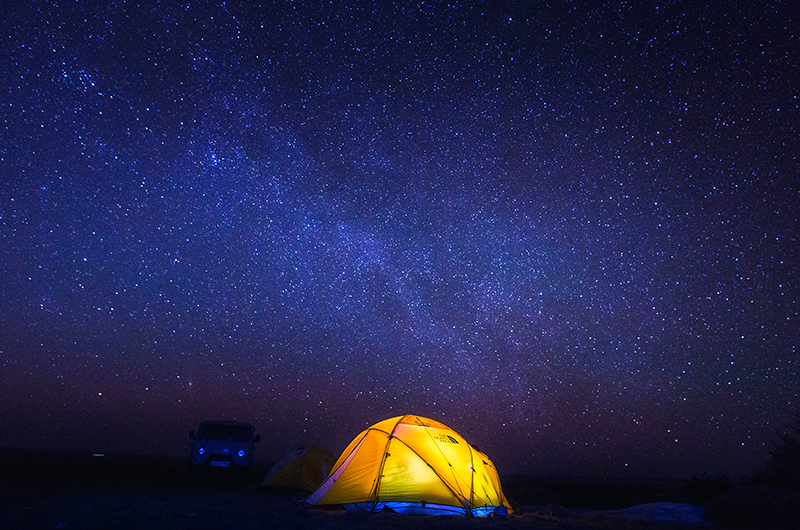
234	433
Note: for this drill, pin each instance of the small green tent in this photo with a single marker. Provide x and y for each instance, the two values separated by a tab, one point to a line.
301	468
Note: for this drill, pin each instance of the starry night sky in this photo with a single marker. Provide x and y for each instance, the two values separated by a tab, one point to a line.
569	232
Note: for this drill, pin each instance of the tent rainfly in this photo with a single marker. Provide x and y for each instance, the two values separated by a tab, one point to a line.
411	464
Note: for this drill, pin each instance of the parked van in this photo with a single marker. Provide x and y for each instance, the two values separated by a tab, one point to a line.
224	444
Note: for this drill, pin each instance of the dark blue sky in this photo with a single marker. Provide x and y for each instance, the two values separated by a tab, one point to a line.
568	232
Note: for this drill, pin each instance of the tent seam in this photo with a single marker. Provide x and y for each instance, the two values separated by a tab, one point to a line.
376	484
458	495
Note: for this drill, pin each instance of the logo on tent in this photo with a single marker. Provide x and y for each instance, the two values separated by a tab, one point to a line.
445	438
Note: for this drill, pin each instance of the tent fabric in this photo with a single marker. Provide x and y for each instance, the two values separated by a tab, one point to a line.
301	468
412	464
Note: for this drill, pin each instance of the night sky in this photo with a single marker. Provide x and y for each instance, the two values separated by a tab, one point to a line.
569	232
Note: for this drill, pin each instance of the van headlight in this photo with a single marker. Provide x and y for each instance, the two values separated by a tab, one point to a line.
240	453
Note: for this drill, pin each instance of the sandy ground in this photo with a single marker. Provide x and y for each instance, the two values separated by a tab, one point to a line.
95	494
209	509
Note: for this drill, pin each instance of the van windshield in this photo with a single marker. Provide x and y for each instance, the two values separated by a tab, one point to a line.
214	431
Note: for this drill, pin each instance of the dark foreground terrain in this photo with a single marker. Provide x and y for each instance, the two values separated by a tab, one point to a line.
77	491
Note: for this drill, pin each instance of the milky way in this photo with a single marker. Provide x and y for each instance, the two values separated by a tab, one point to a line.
569	233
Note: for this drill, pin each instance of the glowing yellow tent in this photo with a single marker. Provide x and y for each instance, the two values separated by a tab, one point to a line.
412	464
302	468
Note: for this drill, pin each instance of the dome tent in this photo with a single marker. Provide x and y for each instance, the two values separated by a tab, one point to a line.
412	464
301	468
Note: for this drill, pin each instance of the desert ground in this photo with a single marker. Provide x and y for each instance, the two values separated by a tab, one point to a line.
115	492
